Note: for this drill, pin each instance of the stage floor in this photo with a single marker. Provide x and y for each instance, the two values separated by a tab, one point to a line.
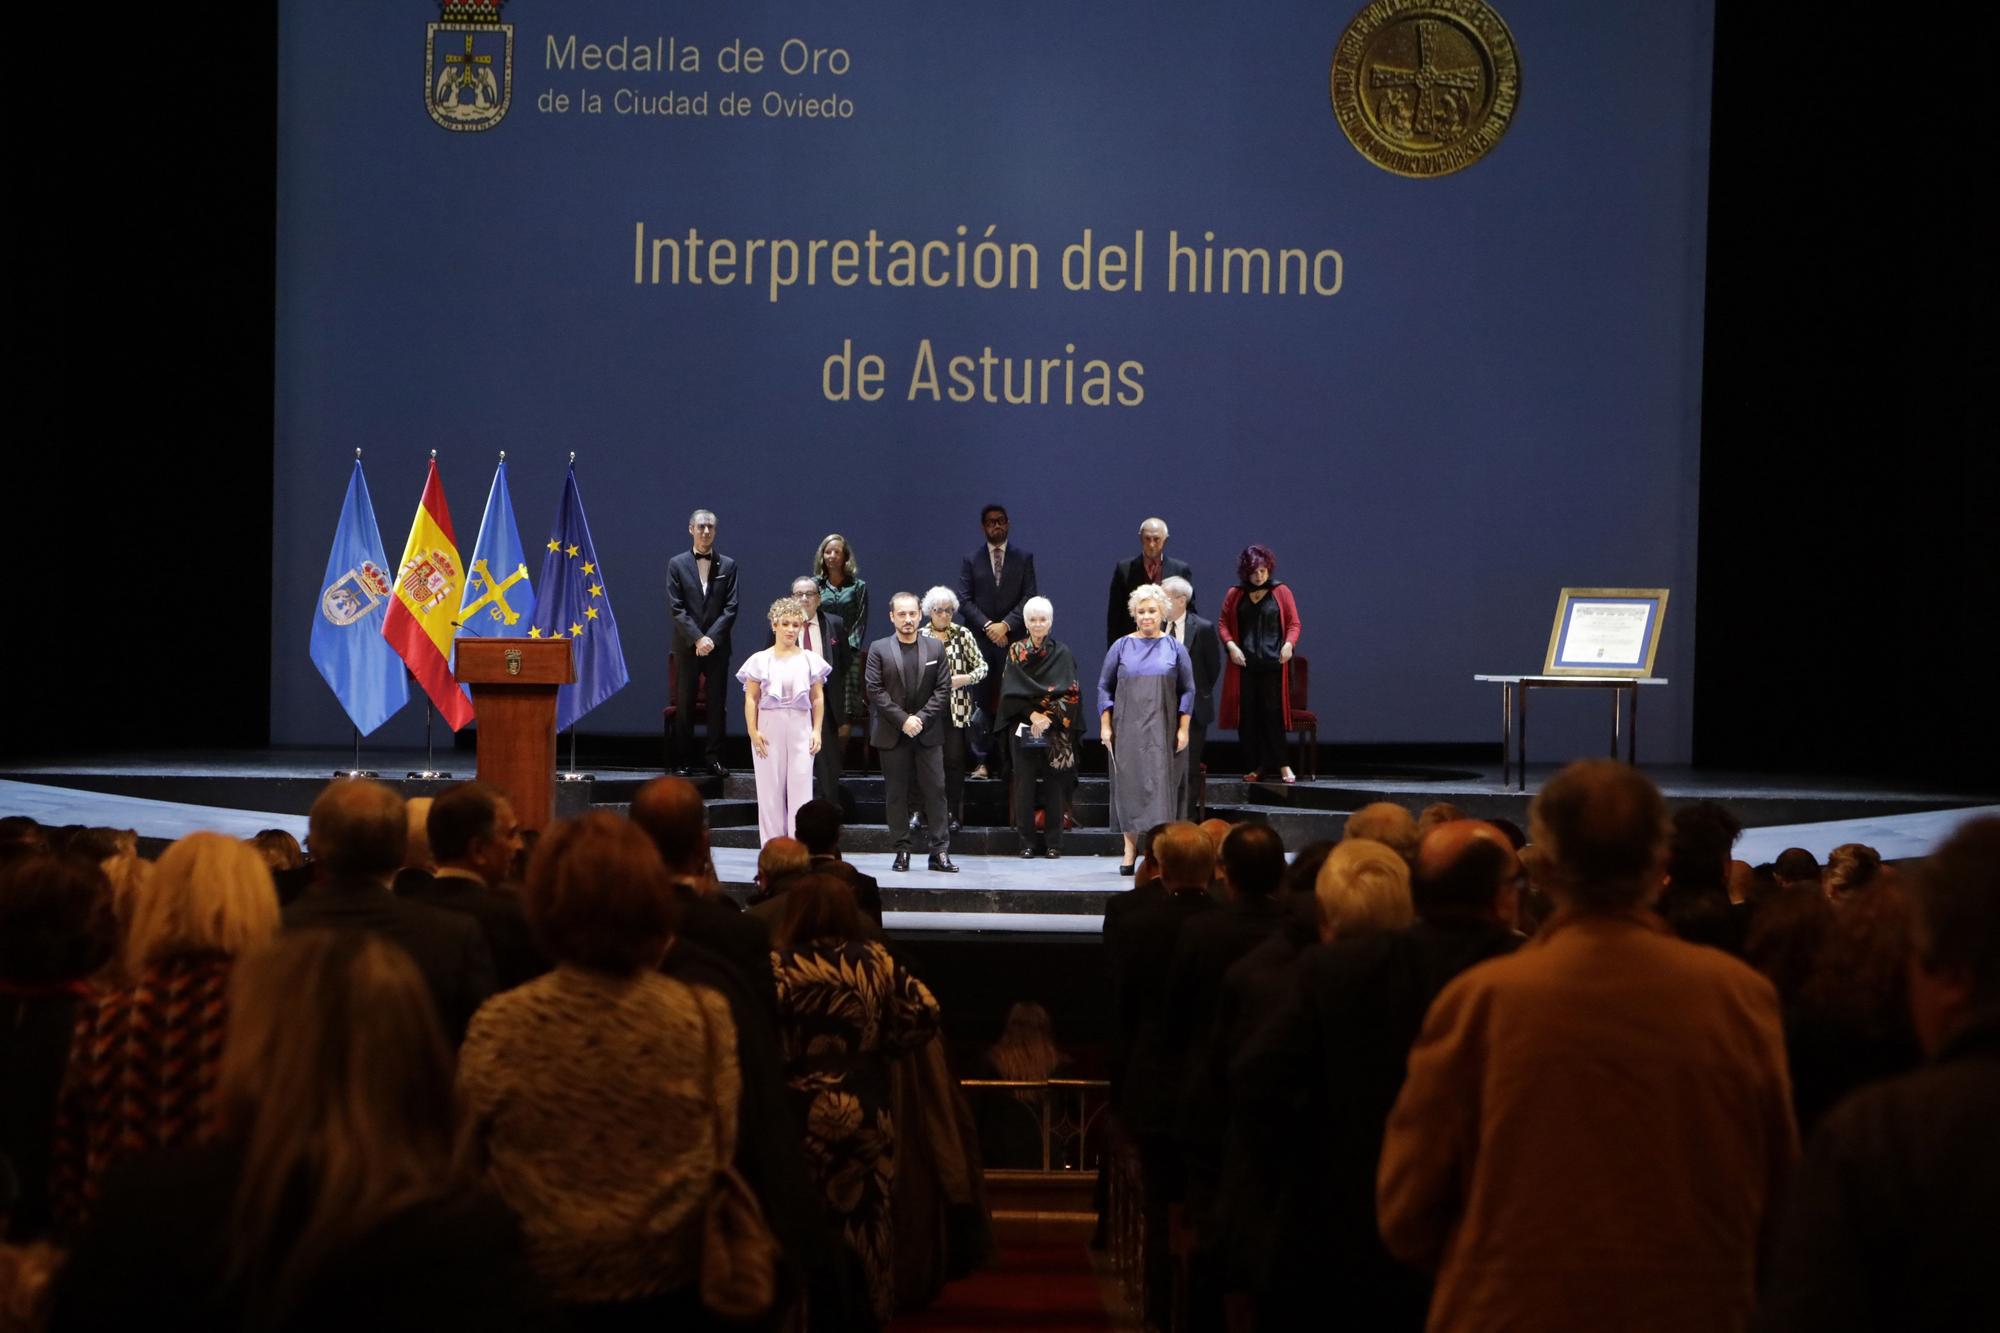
164	796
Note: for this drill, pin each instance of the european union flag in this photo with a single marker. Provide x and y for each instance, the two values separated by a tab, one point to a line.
574	605
347	644
499	600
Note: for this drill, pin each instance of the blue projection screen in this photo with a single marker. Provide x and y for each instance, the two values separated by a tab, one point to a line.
865	267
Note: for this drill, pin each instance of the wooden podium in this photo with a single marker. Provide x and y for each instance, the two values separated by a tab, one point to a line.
514	685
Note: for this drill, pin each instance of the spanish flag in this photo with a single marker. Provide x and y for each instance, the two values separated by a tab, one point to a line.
429	586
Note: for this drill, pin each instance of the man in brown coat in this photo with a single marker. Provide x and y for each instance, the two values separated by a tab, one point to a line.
1593	1130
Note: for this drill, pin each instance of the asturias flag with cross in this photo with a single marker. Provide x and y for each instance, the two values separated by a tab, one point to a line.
573	605
499	600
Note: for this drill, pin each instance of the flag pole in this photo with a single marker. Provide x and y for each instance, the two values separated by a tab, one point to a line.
572	775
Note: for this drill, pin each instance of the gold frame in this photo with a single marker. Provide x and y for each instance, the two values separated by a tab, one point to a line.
1658	596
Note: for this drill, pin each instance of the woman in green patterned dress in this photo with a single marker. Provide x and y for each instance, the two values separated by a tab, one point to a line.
842	591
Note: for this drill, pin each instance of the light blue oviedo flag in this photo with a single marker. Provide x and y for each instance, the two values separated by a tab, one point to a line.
574	605
360	666
499	601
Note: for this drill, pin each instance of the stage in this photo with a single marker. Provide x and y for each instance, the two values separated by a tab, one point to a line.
166	795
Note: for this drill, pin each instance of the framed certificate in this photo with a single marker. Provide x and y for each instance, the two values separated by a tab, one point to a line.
1606	632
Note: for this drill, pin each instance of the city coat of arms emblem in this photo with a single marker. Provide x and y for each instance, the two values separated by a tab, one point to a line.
469	65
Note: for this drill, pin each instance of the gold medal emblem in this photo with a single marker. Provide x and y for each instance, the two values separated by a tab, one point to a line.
1425	87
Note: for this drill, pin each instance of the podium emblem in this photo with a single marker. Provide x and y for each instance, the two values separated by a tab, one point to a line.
513	658
355	593
469	65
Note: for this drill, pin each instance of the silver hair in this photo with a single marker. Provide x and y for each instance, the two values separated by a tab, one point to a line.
937	597
808	580
1176	586
1150	522
1041	604
694	519
1145	592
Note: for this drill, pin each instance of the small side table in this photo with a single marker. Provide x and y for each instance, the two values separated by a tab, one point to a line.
1514	739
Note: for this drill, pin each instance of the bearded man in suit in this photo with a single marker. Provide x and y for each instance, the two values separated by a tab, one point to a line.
909	693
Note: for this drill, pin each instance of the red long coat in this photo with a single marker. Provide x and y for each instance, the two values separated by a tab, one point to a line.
1232	675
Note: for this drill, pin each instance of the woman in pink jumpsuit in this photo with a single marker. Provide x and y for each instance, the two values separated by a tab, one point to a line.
783	702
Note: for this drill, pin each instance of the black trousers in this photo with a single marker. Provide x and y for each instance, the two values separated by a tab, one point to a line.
955	763
688	670
1197	742
902	762
826	764
1037	784
1262	724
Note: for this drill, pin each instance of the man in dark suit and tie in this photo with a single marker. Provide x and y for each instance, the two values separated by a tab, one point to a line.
826	634
1204	646
1149	566
701	599
994	582
909	691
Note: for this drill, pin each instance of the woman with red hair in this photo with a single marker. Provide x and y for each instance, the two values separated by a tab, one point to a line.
1259	628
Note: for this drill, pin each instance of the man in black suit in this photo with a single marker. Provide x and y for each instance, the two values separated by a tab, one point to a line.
1204	646
358	830
818	826
671	812
909	692
1149	566
701	599
472	834
994	582
826	634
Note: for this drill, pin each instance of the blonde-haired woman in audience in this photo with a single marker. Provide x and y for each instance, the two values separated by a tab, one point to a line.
328	1196
1852	867
281	851
130	877
143	1064
1363	889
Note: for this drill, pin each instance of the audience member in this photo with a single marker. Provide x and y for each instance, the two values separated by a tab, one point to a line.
1592	1130
1010	1124
57	928
1797	866
1851	1023
777	861
1695	901
1387	823
1434	814
358	830
1362	889
472	838
328	1198
603	1095
818	827
671	812
1892	1218
21	836
142	1065
844	1007
131	878
1784	941
280	850
1852	867
418	858
1319	1082
1516	836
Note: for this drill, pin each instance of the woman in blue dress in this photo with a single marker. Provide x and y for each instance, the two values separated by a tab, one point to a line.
1145	696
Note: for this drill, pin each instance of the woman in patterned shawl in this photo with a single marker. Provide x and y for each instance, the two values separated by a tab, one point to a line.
968	667
844	1007
1038	709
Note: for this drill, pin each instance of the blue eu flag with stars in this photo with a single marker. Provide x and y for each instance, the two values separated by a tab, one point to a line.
360	667
572	604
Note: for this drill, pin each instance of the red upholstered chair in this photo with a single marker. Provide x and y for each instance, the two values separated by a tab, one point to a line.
1304	720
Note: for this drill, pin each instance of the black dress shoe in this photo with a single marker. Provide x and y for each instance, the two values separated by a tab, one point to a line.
942	864
1053	854
1029	853
954	826
902	861
716	769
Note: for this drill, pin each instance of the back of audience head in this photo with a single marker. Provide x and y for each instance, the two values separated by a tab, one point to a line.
817	825
1363	889
472	824
1516	836
1436	813
359	828
1852	867
1026	1050
131	879
1604	826
21	836
1785	939
1957	931
1186	857
417	851
1466	870
98	844
1387	823
1253	861
671	812
1796	865
335	1085
779	860
1698	852
208	893
598	897
818	906
280	850
1860	977
56	919
1216	829
1303	872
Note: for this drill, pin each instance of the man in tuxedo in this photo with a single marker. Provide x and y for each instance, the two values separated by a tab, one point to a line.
909	690
826	634
1204	646
1149	566
994	583
701	599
